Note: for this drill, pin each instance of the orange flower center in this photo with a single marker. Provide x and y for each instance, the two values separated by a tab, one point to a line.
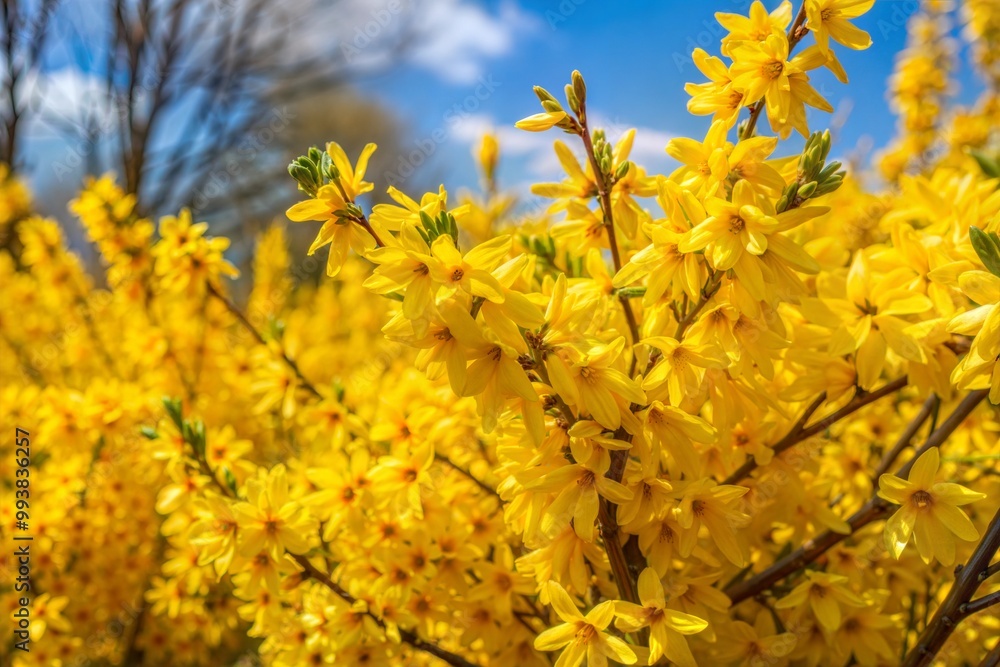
585	633
921	499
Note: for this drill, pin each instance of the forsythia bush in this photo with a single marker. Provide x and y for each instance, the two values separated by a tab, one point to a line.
746	413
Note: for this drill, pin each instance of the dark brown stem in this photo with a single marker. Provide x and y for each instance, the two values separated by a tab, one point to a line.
992	658
238	314
959	604
363	221
604	184
134	654
468	475
982	603
711	287
407	636
797	435
608	524
874	509
315	573
941	433
904	439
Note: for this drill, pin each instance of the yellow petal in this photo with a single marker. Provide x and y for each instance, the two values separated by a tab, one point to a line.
562	603
555	638
924	469
650	588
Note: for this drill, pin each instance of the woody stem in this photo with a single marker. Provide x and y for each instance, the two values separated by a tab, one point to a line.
874	509
604	183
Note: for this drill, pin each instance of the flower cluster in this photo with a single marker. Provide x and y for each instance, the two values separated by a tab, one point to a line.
743	413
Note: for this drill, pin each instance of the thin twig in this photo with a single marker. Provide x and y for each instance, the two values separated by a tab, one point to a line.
238	314
407	636
957	606
874	509
543	372
315	573
796	436
468	475
604	185
711	287
980	604
992	658
903	442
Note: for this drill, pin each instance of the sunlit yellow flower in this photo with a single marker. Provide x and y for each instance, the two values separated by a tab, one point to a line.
824	593
583	636
270	520
830	18
756	27
580	487
705	503
763	71
666	626
928	511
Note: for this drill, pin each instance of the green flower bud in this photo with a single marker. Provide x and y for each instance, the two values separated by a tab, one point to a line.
579	87
572	99
543	95
806	191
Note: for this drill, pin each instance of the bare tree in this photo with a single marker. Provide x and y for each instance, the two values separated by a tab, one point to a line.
24	33
199	95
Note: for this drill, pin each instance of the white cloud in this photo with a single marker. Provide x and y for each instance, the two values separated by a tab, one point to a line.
452	39
456	37
68	98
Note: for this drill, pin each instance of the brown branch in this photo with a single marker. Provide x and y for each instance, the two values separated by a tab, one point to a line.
235	311
604	184
874	509
468	475
980	604
797	435
992	658
711	287
904	440
608	525
9	149
959	604
407	636
315	573
622	567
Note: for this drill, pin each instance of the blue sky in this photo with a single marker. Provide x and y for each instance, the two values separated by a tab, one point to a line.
636	58
473	64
